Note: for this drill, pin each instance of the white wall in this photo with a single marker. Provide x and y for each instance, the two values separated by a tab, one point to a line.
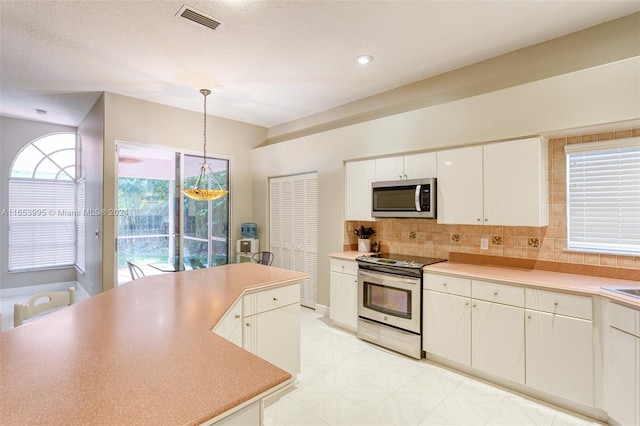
601	95
134	120
15	134
91	132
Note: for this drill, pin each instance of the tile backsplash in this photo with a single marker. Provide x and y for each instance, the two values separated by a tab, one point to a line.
420	237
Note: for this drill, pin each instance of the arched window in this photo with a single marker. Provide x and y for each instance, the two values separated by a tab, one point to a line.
43	215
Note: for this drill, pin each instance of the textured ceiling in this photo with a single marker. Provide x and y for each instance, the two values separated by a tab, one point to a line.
277	60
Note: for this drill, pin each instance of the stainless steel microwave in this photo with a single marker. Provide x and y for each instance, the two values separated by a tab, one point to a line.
404	198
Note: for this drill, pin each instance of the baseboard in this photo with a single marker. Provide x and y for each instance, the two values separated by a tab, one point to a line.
322	310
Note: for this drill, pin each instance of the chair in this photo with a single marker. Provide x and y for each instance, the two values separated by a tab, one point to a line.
41	302
135	271
263	257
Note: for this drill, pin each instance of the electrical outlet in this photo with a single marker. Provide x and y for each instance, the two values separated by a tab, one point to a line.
484	244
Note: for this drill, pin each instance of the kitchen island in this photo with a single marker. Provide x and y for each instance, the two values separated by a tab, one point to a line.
142	353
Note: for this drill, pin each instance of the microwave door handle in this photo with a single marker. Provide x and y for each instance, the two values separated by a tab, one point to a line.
417	197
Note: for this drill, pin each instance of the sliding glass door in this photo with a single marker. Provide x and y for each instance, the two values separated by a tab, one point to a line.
159	229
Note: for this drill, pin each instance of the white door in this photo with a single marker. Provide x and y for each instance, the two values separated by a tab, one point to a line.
293	207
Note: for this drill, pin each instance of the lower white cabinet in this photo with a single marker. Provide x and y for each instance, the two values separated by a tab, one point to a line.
560	351
343	294
539	338
271	326
446	329
622	365
230	326
484	331
497	336
267	324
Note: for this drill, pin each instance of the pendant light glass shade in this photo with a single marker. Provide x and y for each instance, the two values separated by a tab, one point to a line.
204	188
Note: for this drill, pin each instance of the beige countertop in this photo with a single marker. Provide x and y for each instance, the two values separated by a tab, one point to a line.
142	353
558	281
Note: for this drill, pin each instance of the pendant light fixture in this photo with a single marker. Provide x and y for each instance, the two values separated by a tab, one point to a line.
201	189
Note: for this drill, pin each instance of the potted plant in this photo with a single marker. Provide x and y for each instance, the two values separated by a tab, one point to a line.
364	243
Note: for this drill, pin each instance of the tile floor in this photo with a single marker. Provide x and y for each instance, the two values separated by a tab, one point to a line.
346	381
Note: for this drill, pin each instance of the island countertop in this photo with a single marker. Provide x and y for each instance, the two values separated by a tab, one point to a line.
142	353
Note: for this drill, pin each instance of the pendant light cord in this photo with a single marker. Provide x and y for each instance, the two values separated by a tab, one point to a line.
205	93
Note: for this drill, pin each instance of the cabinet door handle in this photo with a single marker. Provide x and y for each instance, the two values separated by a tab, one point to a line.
495	293
444	284
478	219
248	324
405	176
529	316
474	305
400	177
466	304
555	303
486	220
275	299
237	315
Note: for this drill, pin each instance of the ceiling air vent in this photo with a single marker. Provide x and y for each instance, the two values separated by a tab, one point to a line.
198	17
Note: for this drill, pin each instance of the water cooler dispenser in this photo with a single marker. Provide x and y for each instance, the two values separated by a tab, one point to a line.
248	245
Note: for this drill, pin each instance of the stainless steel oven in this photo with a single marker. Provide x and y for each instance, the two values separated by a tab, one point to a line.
390	302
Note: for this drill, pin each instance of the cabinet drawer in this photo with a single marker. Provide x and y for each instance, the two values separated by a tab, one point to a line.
559	303
344	266
498	293
624	318
447	284
270	299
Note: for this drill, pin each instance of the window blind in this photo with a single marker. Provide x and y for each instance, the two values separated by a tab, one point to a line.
603	197
42	230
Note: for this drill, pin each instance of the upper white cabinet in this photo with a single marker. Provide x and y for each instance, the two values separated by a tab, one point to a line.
358	176
415	166
503	183
459	185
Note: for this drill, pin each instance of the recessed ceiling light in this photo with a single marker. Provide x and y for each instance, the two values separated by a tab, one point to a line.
364	59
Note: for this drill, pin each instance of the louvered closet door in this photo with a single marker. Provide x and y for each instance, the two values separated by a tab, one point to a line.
275	213
309	289
294	229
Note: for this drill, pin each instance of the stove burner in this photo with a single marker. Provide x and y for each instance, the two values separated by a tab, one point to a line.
399	260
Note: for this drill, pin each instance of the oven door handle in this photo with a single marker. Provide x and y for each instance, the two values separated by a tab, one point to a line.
374	275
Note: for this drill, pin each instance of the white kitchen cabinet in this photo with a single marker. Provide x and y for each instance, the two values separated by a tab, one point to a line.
459	186
343	296
446	317
358	176
497	329
414	166
230	326
516	183
271	326
622	365
560	347
502	183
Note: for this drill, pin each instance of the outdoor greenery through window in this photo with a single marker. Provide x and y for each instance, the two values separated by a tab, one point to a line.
154	227
603	197
44	205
